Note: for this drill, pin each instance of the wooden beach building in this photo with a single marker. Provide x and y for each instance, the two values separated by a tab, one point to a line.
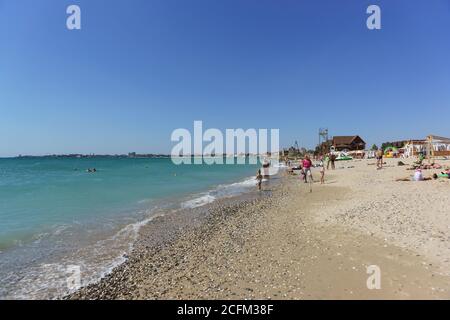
350	143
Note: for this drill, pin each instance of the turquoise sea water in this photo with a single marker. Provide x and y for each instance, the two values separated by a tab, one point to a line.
52	211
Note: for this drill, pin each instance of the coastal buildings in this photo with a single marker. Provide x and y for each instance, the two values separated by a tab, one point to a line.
350	143
354	145
433	145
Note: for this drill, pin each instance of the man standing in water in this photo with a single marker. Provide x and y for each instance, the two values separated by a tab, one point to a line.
259	179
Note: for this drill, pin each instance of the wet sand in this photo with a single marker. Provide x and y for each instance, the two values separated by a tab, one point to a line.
288	243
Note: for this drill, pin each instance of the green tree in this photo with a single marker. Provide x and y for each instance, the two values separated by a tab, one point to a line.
374	147
385	145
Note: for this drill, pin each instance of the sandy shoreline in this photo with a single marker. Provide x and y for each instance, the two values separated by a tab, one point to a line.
288	243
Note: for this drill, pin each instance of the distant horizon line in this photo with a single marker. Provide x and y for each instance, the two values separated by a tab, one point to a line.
123	155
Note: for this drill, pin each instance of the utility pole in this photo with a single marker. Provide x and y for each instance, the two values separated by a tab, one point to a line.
323	137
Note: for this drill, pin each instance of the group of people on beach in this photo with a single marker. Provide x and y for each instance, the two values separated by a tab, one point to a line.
419	165
304	166
328	160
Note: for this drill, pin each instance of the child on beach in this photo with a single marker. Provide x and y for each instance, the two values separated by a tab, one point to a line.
322	173
259	178
303	175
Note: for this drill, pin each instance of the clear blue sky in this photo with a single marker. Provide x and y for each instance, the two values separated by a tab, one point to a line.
140	68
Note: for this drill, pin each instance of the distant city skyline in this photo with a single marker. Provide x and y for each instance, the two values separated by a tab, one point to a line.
137	70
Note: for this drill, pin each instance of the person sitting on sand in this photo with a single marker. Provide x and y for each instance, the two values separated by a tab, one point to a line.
421	157
259	179
446	173
418	176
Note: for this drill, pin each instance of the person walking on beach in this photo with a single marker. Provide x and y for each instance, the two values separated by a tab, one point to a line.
379	156
332	160
307	164
259	179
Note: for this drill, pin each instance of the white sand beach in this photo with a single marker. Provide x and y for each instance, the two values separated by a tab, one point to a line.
288	243
412	215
